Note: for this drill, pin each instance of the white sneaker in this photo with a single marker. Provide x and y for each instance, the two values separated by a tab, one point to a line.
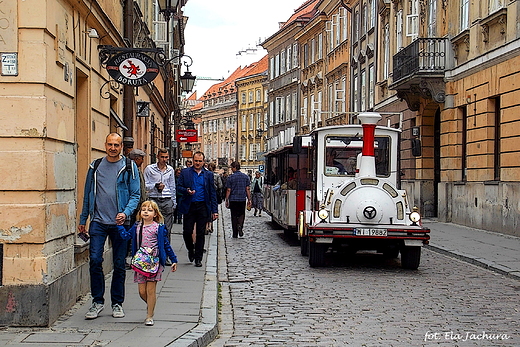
117	311
94	310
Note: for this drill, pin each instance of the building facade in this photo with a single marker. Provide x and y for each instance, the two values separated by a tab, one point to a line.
62	104
442	72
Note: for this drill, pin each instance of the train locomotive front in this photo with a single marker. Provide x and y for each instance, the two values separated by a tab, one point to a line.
358	205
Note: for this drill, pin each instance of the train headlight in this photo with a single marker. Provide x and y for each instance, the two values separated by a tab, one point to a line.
323	214
415	217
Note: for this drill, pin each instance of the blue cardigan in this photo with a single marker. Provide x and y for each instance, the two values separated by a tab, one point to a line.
186	181
162	241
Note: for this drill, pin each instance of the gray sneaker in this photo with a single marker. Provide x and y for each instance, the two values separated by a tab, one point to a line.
94	310
117	311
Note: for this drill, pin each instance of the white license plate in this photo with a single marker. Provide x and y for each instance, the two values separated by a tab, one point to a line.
370	232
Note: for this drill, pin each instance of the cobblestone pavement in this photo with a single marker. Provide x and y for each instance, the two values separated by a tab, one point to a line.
276	299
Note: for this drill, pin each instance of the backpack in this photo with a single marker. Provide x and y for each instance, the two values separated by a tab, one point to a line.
128	167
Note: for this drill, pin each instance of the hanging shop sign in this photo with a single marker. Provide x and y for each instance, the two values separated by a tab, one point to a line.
187	135
132	68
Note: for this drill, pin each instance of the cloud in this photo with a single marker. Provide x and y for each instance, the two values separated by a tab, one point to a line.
218	29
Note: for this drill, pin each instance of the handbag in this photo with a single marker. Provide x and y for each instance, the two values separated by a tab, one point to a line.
144	260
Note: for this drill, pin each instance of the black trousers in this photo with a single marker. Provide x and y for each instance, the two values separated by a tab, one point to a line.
196	217
238	215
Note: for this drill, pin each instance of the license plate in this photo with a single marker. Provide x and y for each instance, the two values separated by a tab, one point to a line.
370	232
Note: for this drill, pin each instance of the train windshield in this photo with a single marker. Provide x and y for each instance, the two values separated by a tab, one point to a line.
341	154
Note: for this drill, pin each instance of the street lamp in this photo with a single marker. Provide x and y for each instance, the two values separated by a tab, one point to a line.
168	8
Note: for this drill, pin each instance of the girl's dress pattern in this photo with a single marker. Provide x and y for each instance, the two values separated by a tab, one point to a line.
149	240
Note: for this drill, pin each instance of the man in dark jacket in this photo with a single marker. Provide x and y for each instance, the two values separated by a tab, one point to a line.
199	202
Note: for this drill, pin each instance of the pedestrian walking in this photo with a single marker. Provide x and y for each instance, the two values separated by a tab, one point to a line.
199	202
160	184
177	216
111	195
218	187
258	195
147	232
238	190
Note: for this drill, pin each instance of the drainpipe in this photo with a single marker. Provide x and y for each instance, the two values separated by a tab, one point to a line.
128	91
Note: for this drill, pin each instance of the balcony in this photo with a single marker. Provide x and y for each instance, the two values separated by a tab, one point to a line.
419	71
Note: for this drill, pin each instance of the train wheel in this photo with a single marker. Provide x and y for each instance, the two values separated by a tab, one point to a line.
304	246
317	254
410	257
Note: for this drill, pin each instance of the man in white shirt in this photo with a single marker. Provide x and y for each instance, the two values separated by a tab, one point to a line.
160	185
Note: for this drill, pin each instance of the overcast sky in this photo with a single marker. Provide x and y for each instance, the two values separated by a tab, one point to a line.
218	29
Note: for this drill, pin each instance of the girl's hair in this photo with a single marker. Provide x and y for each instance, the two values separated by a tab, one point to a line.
158	215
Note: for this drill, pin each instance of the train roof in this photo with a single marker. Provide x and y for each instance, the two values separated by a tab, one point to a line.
336	128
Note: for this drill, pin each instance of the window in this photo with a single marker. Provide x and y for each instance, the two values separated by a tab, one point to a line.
337	30
242	150
283	62
258	95
289	58
313	51
277	65
288	115
294	104
495	5
464	14
373	13
243	98
305	55
363	90
251	121
386	49
364	19
305	118
355	27
251	96
432	18
412	20
399	24
371	86
295	55
330	101
355	94
344	23
313	111
320	46
318	106
244	122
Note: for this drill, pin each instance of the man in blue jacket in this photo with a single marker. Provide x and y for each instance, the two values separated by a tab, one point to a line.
196	184
112	191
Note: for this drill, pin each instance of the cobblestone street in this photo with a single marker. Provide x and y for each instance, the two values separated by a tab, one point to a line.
366	300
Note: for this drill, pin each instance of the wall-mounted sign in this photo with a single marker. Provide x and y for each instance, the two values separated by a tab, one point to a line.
132	68
186	135
9	63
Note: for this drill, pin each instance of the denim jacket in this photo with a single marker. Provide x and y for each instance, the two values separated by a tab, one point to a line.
128	192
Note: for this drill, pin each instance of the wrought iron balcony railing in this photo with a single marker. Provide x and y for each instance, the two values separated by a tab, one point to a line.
424	56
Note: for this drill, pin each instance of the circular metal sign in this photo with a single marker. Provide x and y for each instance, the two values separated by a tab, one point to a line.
132	68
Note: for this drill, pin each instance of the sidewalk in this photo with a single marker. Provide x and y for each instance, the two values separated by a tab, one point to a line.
494	251
185	313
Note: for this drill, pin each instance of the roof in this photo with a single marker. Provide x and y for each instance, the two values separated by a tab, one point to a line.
228	85
305	12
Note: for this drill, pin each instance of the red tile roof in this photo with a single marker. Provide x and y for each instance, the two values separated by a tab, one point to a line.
228	85
306	11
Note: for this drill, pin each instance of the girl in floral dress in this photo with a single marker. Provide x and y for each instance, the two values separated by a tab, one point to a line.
154	235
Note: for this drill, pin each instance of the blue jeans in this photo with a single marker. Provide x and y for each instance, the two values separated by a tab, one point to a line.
98	235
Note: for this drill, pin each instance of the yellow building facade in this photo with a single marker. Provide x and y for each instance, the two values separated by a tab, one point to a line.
57	105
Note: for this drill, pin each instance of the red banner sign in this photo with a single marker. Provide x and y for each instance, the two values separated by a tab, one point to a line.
186	135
